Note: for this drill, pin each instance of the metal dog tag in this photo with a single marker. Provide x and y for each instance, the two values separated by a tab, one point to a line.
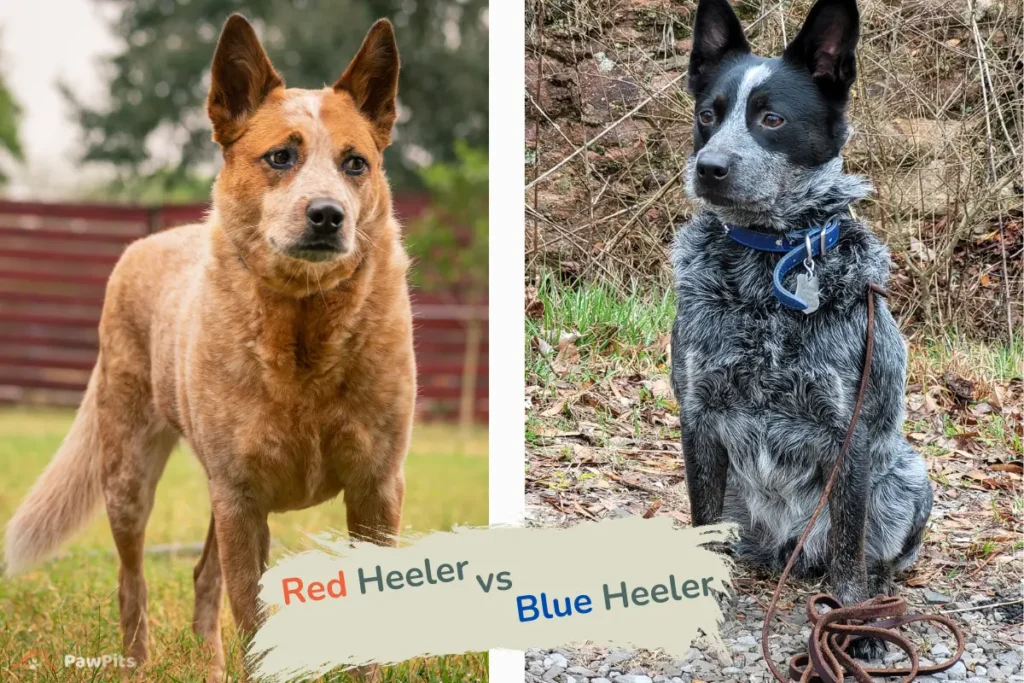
807	290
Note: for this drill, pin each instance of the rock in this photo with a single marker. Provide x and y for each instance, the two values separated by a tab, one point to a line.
980	671
633	678
581	671
536	668
925	191
941	650
559	660
618	656
673	669
568	679
600	680
1010	658
901	141
957	672
553	672
935	598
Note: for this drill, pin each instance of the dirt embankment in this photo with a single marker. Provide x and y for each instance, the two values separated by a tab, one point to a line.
938	111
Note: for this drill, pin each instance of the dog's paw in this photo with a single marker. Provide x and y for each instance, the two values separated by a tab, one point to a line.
867	649
720	547
882	584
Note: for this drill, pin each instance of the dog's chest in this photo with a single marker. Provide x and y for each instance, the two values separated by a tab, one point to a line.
299	455
287	415
769	384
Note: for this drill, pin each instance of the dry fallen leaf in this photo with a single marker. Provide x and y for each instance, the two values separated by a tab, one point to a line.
555	409
659	387
918	581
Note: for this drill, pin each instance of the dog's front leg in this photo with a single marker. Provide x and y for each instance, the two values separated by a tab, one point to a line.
707	468
847	504
374	513
243	543
373	508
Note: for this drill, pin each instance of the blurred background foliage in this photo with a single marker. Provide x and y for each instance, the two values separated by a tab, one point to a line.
451	236
153	127
10	115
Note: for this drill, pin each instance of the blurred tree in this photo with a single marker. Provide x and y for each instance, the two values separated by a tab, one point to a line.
10	117
158	82
450	240
449	244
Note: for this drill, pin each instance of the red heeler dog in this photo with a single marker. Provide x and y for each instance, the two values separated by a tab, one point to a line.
276	338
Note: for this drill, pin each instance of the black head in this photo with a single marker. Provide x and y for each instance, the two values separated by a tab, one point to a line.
765	127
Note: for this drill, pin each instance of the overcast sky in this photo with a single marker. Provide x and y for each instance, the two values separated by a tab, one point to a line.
42	41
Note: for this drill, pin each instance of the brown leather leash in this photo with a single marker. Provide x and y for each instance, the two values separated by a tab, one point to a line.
826	660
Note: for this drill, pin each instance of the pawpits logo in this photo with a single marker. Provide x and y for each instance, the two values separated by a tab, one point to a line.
101	662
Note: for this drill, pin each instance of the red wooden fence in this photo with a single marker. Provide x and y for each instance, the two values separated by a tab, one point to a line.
54	263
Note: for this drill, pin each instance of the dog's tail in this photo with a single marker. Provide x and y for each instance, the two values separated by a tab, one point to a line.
61	500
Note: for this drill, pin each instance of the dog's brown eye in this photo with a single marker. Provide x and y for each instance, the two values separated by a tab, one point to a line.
772	120
354	165
281	158
707	117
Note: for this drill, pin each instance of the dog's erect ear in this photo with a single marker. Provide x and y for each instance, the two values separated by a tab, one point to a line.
716	33
241	77
372	80
825	45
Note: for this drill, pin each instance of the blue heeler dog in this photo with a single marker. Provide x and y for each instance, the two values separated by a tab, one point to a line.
766	377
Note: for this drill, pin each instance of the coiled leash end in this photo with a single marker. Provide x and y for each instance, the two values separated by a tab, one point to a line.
826	660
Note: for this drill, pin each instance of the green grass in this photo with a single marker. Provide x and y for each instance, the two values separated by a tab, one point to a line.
622	330
69	605
603	314
619	326
628	322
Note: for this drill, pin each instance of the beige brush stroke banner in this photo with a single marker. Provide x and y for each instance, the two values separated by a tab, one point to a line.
670	582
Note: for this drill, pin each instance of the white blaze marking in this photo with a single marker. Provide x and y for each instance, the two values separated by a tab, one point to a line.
753	77
304	106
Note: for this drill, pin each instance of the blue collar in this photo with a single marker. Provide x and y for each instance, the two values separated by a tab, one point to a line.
795	247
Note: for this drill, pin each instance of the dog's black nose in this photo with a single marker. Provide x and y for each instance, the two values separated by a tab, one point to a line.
712	167
324	216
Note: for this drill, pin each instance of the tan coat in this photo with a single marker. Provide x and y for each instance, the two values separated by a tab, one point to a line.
277	344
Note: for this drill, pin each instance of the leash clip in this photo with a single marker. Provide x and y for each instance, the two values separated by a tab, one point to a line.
809	259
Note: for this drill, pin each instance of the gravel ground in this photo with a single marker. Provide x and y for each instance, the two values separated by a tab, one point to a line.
588	463
993	653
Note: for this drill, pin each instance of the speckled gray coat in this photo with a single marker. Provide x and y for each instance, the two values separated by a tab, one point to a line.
766	393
